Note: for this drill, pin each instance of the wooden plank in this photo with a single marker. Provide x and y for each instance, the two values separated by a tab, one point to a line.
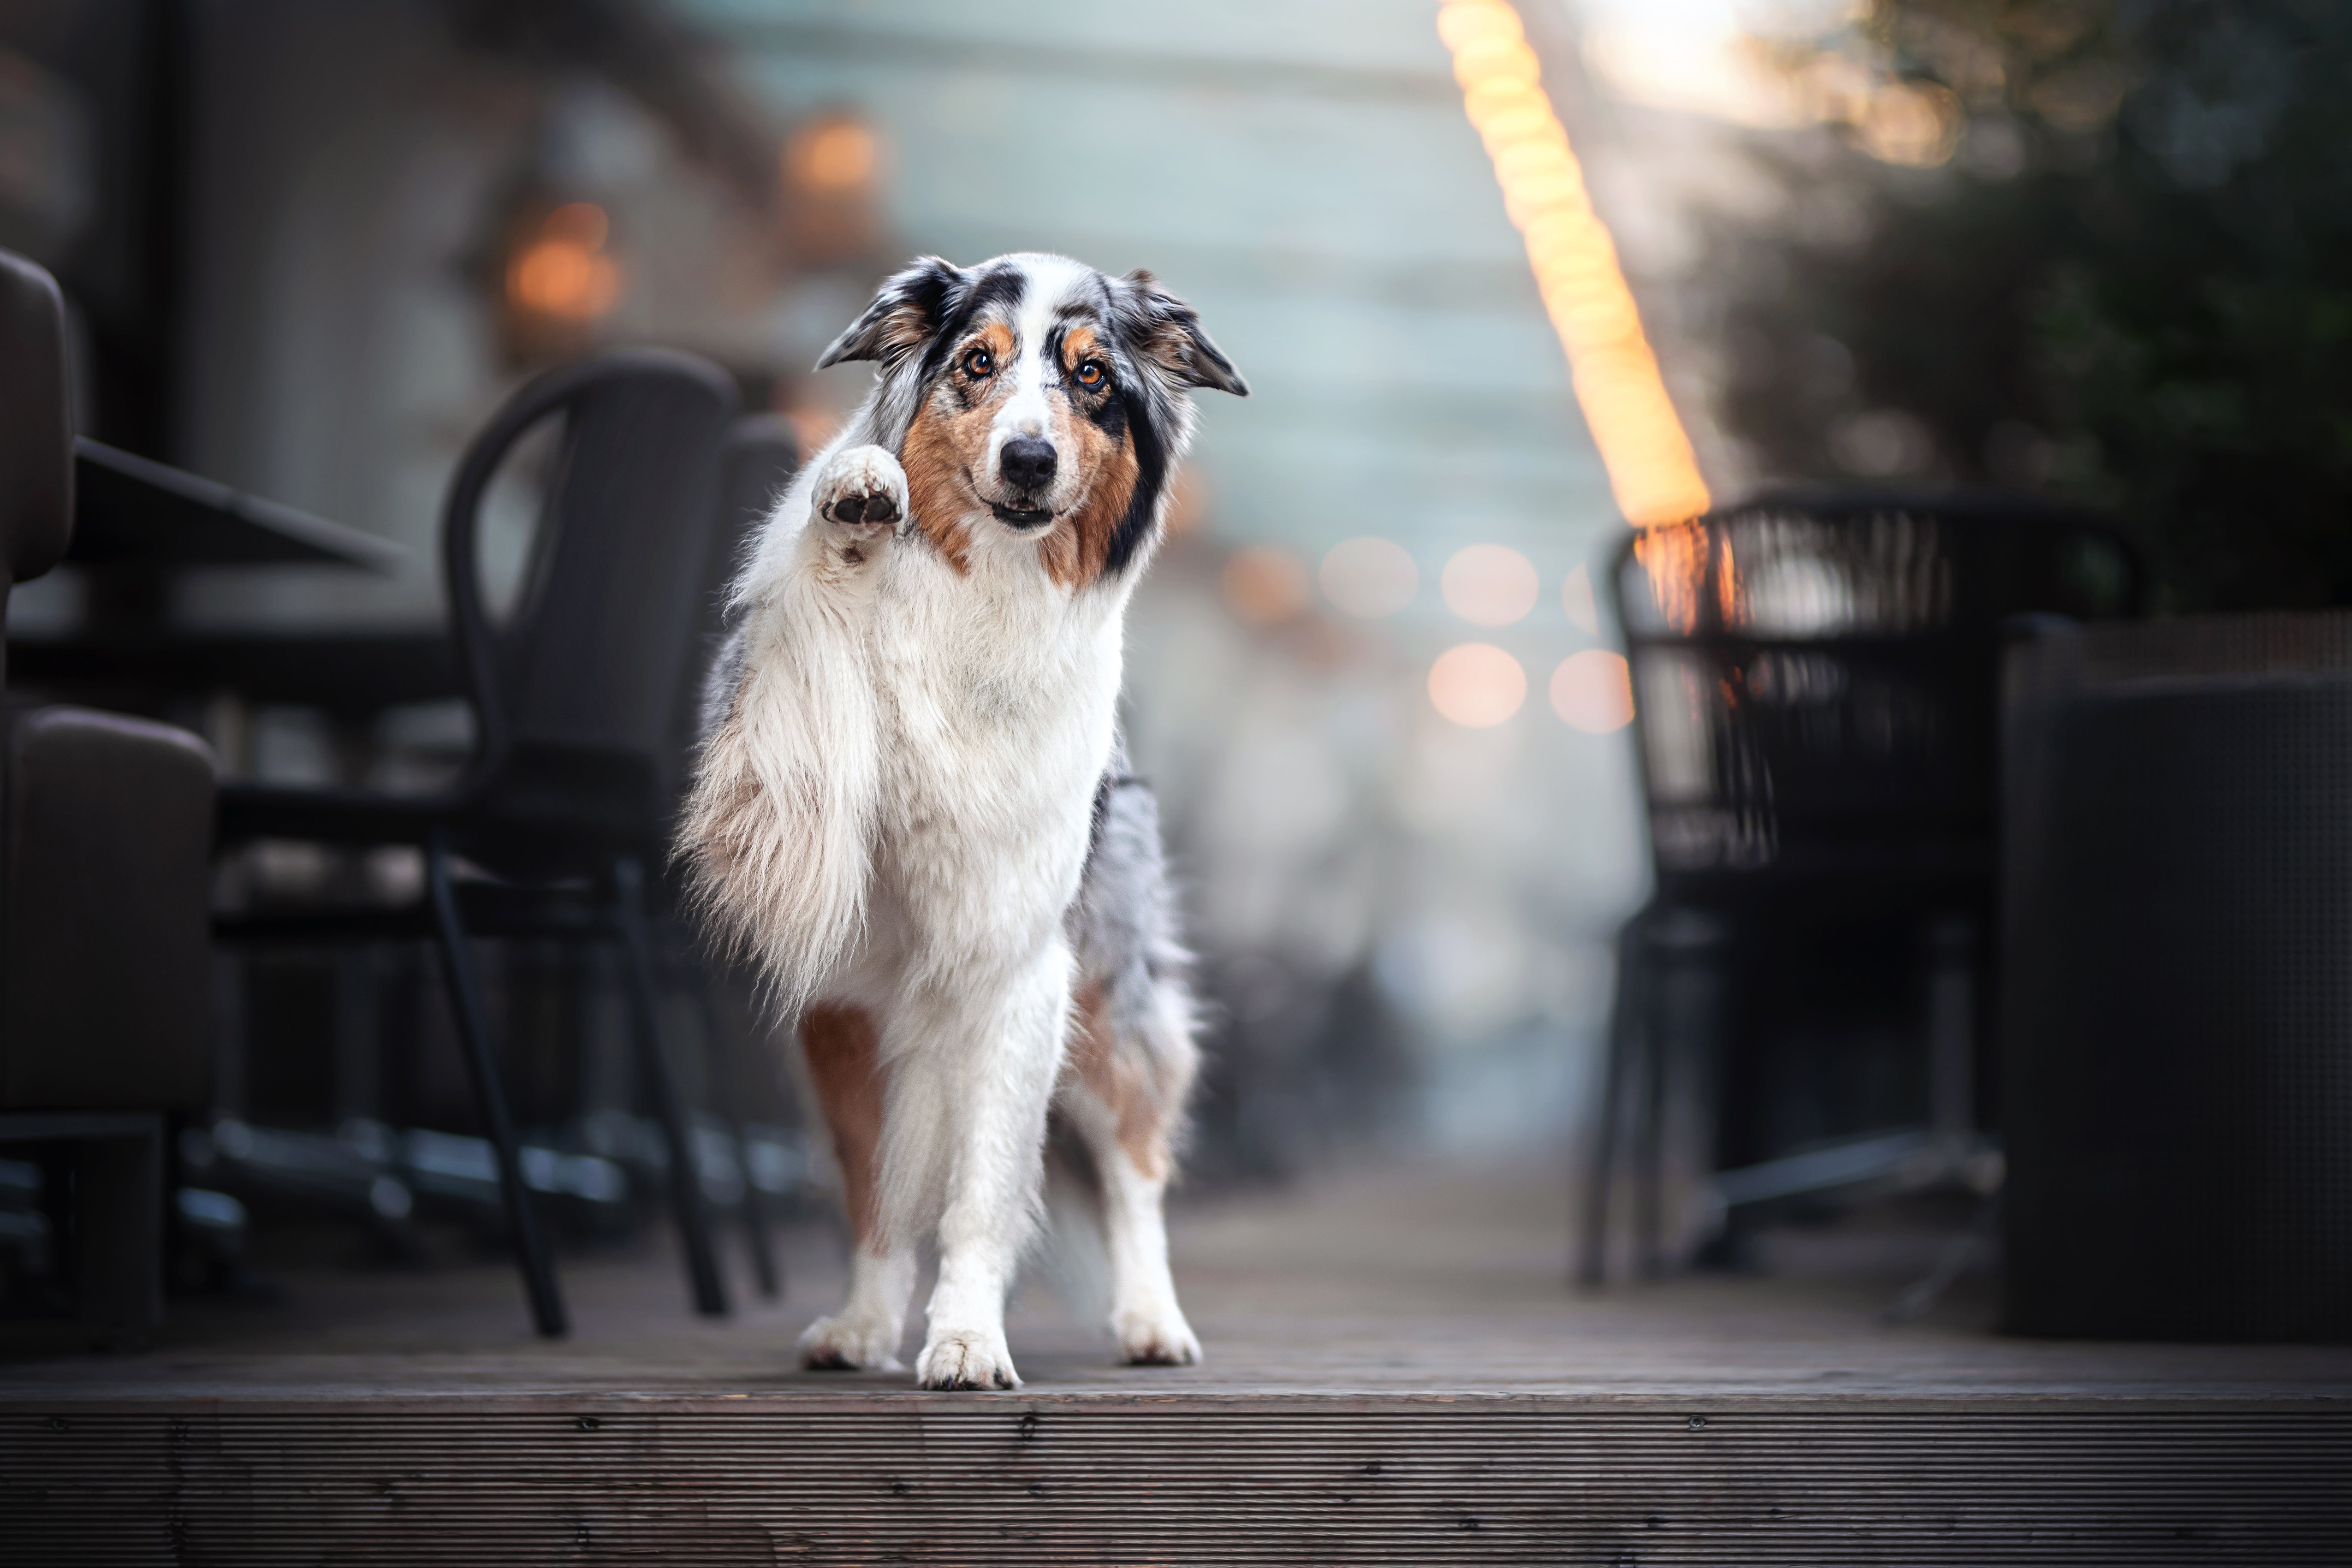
1410	1483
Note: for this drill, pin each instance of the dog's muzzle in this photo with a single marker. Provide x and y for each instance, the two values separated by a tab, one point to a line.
1026	464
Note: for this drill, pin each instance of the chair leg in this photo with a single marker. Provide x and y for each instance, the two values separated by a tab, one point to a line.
755	1206
474	1036
685	1179
1624	1040
1657	1042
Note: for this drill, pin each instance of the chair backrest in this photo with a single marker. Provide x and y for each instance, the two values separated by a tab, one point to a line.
36	424
1815	675
583	681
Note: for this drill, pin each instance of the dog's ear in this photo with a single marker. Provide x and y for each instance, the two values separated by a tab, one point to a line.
1167	331
905	311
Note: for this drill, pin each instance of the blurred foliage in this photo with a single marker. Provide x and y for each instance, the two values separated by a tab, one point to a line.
2128	280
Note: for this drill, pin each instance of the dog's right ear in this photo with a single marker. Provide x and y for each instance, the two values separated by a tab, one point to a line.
905	311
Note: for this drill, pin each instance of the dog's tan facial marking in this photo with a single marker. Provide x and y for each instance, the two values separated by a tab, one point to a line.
1096	1058
948	442
1076	552
1090	427
844	1053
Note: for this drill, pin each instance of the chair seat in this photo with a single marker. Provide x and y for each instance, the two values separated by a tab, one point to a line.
104	888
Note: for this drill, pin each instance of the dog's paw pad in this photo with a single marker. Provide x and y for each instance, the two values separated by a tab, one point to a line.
865	509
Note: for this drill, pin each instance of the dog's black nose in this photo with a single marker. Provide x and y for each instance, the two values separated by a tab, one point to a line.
1028	463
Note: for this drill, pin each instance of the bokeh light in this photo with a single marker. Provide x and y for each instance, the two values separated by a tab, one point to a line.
1913	123
1593	690
1490	585
1651	466
1264	585
832	156
1476	685
1369	577
563	271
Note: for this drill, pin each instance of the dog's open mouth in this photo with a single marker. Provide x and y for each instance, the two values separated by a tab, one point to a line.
1021	517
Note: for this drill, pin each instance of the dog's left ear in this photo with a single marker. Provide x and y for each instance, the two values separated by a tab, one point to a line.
1166	331
907	310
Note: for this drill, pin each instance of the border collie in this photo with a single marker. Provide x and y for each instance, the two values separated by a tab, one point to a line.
912	812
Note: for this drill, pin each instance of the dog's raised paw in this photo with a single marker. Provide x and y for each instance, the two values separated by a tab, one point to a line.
1156	1339
966	1358
842	1343
862	489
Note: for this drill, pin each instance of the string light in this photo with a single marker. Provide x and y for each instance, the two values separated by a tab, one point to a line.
1652	470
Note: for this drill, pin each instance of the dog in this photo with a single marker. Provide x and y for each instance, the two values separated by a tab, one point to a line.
911	808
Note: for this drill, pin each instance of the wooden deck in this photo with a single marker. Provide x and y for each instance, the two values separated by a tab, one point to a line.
1395	1373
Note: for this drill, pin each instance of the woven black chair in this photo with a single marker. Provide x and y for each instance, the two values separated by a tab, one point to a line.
1815	677
578	763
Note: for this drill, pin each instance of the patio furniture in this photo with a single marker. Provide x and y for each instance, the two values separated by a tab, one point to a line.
566	804
105	823
2177	937
1814	676
132	511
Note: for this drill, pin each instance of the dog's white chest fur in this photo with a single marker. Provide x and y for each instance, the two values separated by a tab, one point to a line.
995	698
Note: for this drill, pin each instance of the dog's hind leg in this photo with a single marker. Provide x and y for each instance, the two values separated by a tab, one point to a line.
842	1050
1124	1096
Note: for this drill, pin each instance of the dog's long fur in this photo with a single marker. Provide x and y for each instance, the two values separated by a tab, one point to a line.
911	808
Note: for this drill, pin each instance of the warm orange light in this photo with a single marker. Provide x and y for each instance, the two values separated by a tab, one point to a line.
1264	585
831	157
1476	685
1490	585
1673	557
563	272
1593	690
1652	469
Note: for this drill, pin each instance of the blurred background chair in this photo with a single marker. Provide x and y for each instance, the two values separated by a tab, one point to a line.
1815	677
104	850
2177	921
558	825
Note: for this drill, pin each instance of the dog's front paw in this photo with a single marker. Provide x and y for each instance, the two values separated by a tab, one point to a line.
862	489
845	1344
966	1358
1156	1338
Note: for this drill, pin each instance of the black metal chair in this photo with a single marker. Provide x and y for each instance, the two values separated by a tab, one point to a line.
577	765
1816	677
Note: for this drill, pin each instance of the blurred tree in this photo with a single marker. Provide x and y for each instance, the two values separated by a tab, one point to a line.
2099	249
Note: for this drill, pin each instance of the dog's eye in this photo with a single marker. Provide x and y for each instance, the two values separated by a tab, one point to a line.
978	364
1090	374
